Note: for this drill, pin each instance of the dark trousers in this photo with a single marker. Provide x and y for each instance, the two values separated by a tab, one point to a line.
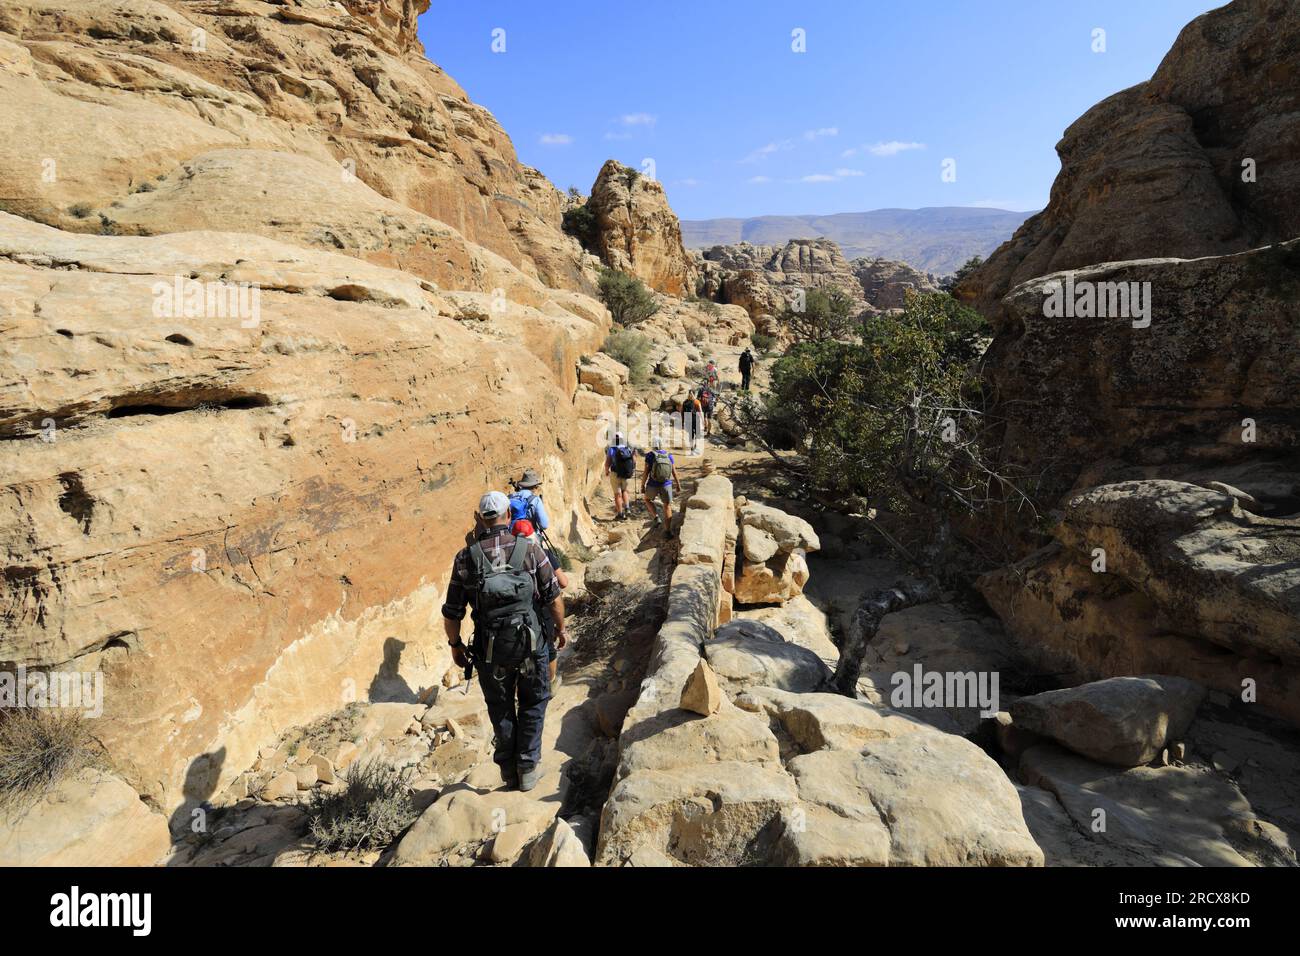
516	706
744	379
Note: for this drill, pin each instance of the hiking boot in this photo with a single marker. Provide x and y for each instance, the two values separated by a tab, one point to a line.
528	778
668	534
509	775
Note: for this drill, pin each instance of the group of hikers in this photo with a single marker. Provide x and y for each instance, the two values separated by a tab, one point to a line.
510	577
698	406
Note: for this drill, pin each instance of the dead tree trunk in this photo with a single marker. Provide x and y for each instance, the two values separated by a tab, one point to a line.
866	621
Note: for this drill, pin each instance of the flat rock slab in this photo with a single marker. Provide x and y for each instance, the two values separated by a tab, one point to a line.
748	653
1153	816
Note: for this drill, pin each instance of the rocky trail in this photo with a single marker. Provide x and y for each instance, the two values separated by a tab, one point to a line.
759	762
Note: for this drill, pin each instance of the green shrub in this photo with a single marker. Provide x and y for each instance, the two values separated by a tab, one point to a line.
370	812
762	341
633	350
626	297
580	222
889	416
827	314
80	210
38	749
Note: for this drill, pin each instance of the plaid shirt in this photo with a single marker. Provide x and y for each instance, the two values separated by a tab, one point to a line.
497	544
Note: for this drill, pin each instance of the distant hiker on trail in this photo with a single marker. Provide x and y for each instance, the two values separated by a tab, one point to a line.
711	375
526	503
746	368
692	415
502	578
620	465
660	478
523	528
708	400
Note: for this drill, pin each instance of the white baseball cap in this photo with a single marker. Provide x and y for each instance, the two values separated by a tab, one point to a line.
493	505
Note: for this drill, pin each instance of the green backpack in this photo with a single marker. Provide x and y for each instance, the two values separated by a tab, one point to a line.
661	469
506	628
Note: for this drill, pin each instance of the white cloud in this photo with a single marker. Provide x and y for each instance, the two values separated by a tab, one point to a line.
819	178
618	135
824	131
893	148
639	119
764	151
757	180
556	139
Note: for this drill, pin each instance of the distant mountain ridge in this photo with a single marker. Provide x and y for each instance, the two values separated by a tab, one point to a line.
936	239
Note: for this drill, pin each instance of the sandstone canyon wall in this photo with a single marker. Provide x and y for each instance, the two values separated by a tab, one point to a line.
245	519
1168	440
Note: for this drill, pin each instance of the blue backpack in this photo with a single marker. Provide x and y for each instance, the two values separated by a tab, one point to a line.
522	506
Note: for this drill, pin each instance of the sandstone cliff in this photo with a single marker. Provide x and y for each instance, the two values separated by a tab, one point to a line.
1201	160
1158	409
243	509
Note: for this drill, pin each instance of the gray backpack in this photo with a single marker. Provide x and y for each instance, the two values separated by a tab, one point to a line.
506	629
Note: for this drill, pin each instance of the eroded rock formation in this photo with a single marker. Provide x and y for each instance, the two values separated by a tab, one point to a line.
267	336
1201	160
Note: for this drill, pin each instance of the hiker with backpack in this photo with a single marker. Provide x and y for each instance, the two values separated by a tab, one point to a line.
746	368
525	502
503	578
620	466
692	414
658	483
708	401
711	374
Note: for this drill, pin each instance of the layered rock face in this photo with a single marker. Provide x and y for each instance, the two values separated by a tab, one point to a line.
170	88
1201	160
1155	400
267	336
637	231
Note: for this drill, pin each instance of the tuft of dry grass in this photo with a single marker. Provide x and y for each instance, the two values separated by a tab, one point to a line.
38	749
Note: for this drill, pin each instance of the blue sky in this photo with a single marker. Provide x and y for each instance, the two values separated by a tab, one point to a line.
738	124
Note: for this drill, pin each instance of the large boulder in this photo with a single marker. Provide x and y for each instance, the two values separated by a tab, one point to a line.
1162	576
919	799
617	568
463	827
89	819
1123	721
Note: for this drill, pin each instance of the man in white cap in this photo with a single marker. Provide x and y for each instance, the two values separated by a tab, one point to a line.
503	579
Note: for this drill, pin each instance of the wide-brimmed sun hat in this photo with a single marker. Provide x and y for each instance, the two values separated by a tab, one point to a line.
530	479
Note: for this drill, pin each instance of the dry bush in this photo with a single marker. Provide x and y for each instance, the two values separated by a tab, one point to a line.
370	812
38	749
